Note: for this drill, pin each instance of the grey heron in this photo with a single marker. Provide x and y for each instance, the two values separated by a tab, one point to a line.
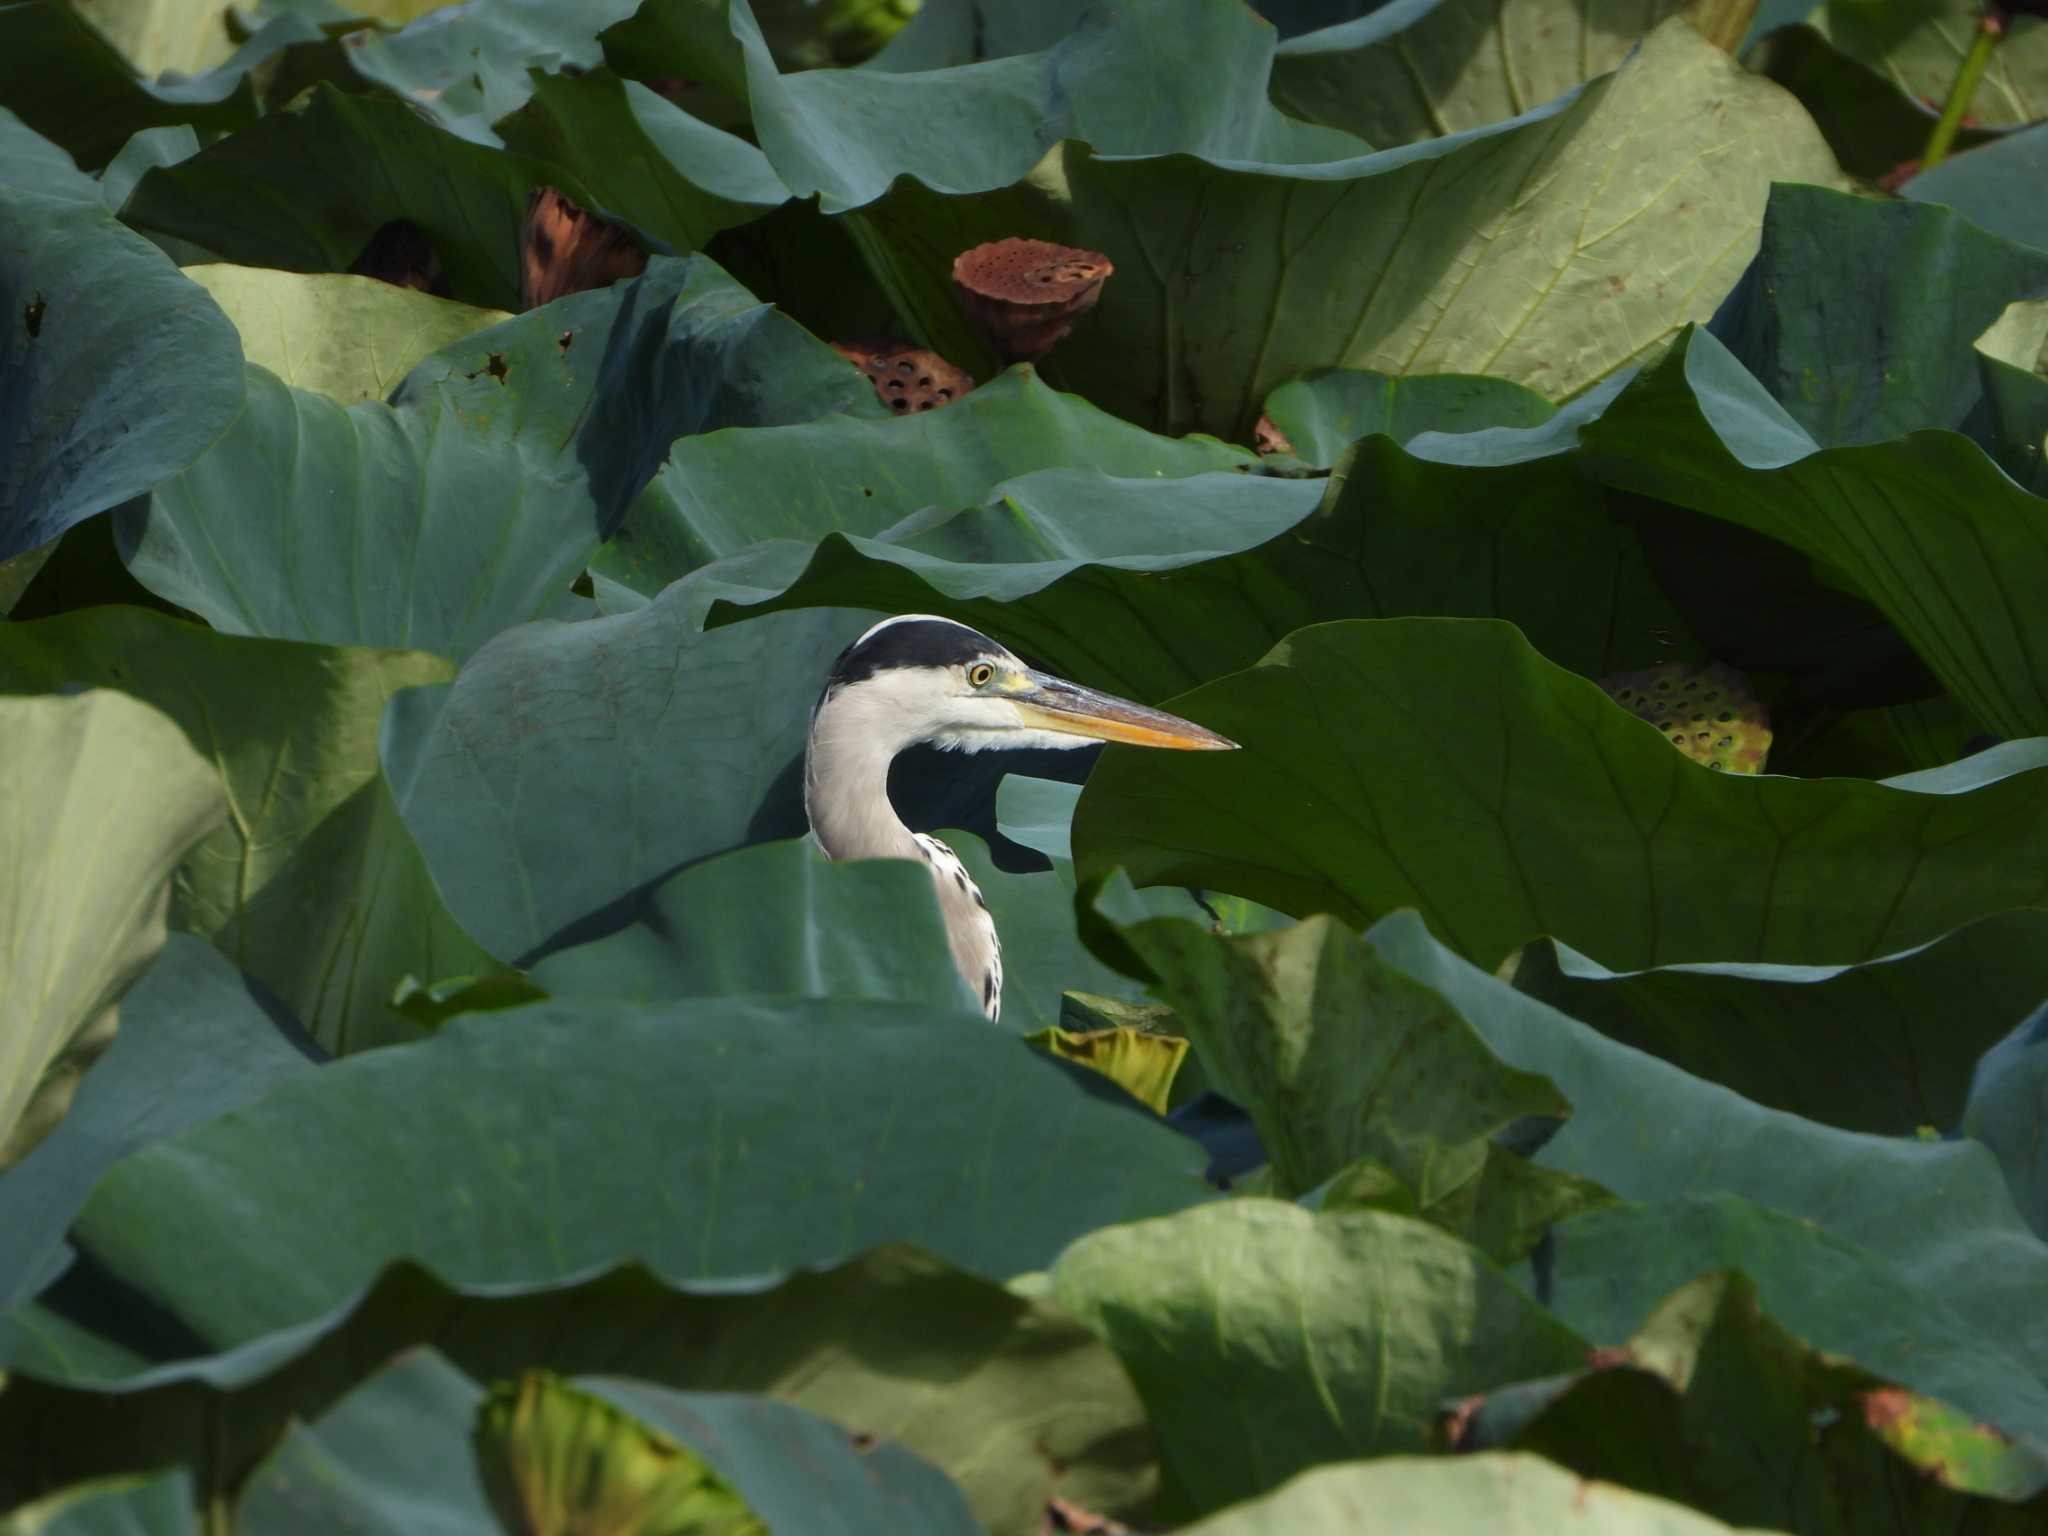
920	679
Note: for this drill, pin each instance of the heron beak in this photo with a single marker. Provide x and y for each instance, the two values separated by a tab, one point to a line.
1049	703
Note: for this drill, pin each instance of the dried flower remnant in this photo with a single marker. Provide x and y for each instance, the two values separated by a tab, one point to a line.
906	377
1025	295
1708	711
565	249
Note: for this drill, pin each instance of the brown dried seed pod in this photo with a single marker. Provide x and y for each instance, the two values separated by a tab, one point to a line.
1267	438
563	249
906	377
1025	295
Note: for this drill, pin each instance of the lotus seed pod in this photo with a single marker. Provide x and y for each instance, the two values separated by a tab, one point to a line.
1025	295
907	377
1706	710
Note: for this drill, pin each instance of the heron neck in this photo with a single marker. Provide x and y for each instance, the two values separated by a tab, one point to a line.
846	793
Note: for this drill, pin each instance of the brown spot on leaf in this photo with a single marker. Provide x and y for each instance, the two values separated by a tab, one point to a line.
907	378
562	342
863	1442
1025	295
564	249
32	315
497	367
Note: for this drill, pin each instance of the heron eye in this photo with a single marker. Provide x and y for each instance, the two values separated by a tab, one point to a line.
980	674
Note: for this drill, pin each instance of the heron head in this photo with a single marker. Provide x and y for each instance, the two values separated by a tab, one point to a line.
918	678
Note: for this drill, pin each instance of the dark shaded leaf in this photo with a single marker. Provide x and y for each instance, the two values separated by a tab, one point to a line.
1012	1398
1886	1046
1926	527
1368	782
115	372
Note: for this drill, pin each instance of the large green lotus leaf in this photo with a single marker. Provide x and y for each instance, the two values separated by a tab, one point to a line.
117	1506
1980	186
846	135
1326	411
1925	527
1886	1047
1103	579
470	503
1522	252
777	920
1338	1055
1413	70
1369	780
1013	1399
305	188
66	79
1927	1229
312	884
463	67
420	528
570	765
2008	1111
1802	318
825	1141
722	492
1713	1405
194	1043
351	338
116	371
644	158
1456	1496
1610	1268
1920	43
105	798
1151	588
1265	1339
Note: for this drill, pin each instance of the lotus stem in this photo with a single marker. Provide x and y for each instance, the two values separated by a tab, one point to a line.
1990	32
